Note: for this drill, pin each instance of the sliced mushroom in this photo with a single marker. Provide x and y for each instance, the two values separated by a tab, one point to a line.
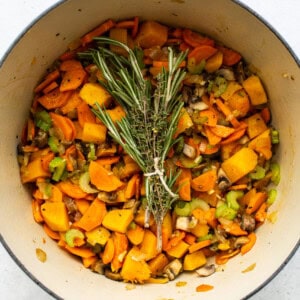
173	269
248	222
107	197
112	275
227	73
189	151
186	223
223	180
41	139
98	267
240	241
207	270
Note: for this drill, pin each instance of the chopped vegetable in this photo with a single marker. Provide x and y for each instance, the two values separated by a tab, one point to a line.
147	152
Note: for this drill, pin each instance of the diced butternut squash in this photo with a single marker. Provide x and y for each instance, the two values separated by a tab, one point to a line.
149	245
151	34
158	263
179	250
118	34
118	220
256	125
116	114
194	261
232	87
214	62
240	164
93	93
55	215
262	144
98	235
239	103
255	90
93	133
135	269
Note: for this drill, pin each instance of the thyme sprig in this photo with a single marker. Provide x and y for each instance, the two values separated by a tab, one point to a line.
146	132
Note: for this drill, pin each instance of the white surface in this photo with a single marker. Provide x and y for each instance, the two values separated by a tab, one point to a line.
17	14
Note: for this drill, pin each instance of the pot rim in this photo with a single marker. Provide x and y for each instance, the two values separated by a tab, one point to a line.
57	4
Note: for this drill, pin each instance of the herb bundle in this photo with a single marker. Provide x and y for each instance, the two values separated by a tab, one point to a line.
147	131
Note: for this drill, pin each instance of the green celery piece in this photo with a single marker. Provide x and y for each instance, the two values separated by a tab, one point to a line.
57	166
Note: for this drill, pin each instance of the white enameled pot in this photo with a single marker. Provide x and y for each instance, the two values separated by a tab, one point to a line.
227	21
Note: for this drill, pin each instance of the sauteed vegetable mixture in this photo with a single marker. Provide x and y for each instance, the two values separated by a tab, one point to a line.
149	152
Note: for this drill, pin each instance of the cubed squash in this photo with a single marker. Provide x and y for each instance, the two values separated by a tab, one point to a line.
55	215
135	269
240	164
98	235
118	220
194	261
149	245
116	113
151	34
93	133
255	90
94	92
256	125
179	250
262	144
232	87
158	263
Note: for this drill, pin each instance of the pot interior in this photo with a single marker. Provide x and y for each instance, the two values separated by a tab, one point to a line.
225	21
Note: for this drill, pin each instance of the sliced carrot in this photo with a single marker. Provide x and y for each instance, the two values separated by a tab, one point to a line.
98	31
70	157
205	182
204	288
165	64
175	240
52	234
36	210
202	52
136	234
135	27
93	216
73	102
125	24
230	57
213	139
120	248
54	99
109	160
65	125
222	131
199	245
184	46
88	261
255	202
261	213
85	114
70	64
48	79
222	258
45	160
233	137
210	115
72	79
266	114
50	87
227	112
131	186
238	187
195	39
176	33
190	238
109	251
234	229
103	179
248	246
71	54
71	190
78	251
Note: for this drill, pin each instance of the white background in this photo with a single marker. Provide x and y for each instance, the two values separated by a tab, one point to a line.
282	15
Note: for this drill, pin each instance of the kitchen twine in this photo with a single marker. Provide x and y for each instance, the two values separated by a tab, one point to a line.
160	173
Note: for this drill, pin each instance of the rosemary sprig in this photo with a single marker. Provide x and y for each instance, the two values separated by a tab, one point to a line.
146	132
